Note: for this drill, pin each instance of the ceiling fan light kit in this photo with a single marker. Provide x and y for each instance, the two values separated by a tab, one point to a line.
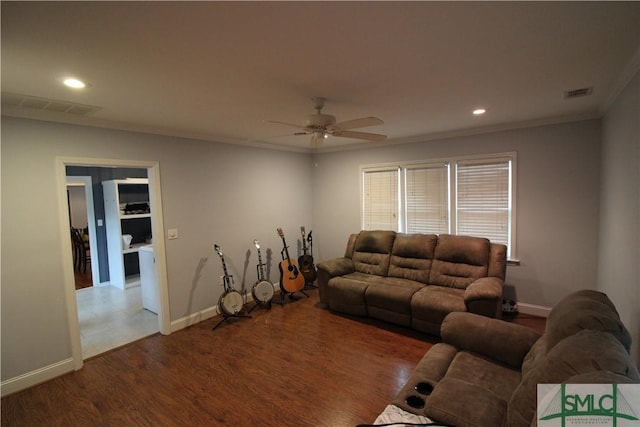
320	126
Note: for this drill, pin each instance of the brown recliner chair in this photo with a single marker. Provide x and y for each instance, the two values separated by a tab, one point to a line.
485	371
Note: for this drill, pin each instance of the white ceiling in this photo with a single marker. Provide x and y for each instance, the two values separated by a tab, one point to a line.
217	70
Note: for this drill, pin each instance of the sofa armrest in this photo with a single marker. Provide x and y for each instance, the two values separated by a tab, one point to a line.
336	267
331	268
496	339
484	296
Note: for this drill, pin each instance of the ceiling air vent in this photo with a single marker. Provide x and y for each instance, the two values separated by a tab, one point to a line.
43	104
576	93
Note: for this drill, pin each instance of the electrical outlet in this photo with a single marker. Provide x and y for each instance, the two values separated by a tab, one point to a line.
172	233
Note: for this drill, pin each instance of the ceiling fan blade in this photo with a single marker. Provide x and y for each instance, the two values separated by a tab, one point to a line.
285	123
282	135
359	135
357	123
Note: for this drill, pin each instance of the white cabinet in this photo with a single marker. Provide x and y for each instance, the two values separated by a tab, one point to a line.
127	213
149	279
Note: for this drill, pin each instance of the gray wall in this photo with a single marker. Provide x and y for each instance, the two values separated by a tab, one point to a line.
557	201
213	193
217	193
619	260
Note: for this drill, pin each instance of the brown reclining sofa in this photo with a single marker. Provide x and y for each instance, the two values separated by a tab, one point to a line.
414	280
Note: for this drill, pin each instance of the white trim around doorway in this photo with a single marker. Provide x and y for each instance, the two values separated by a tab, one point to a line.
157	227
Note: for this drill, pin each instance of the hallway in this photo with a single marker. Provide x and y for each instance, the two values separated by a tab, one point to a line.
110	317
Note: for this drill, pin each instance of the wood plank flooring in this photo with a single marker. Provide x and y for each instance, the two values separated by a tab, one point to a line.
297	365
83	279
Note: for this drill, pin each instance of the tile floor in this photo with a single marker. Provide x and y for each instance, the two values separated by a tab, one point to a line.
110	317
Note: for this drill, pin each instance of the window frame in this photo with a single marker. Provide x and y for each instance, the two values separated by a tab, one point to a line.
404	197
377	169
452	164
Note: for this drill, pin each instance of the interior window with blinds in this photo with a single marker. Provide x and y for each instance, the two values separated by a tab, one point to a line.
381	196
427	199
483	204
467	196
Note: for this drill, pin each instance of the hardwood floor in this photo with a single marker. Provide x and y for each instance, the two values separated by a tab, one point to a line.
297	365
83	279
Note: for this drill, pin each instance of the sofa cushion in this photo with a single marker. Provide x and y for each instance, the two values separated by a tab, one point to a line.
584	352
459	260
537	352
391	300
601	377
351	244
431	304
495	378
346	293
585	309
497	261
503	342
372	252
412	255
474	392
458	403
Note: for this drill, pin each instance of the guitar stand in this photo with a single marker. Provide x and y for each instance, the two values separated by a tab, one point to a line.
283	297
258	304
227	317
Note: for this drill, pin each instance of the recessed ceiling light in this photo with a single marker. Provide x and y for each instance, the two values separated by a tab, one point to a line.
479	111
74	83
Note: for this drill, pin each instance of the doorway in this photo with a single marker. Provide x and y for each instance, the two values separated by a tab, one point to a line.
102	317
82	218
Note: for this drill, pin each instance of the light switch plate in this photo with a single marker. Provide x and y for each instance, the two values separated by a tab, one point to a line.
172	233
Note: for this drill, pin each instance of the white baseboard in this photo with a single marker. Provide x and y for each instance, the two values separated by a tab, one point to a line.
38	376
29	379
205	314
534	310
194	318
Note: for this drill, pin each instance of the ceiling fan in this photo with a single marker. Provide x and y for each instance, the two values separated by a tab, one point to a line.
320	126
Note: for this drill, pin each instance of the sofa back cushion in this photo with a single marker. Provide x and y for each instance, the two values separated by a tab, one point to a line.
497	261
372	252
585	309
583	353
351	244
459	261
412	255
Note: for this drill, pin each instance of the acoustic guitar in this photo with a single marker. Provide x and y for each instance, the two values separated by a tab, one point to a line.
305	261
291	280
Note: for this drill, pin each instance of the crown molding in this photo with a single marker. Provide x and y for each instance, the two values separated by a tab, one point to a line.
624	78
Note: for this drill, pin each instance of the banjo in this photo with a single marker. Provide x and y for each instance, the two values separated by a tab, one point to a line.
262	290
231	301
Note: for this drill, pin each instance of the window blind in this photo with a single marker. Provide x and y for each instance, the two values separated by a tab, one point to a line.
427	199
381	199
483	203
